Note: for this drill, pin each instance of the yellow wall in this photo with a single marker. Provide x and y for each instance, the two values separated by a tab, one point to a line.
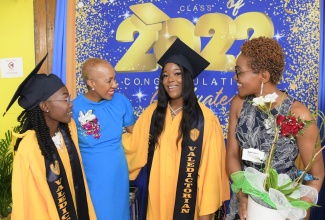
16	40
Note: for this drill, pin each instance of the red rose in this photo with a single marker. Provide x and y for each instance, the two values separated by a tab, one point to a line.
280	119
301	125
293	119
289	126
285	129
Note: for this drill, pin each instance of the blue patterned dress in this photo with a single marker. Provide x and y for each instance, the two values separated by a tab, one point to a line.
103	159
251	133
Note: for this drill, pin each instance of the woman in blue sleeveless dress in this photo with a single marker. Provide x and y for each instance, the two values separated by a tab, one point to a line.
258	71
100	115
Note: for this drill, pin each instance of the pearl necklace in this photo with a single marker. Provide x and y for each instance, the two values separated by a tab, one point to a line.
57	139
174	112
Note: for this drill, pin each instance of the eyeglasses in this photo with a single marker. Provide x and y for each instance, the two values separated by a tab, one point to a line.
238	73
68	99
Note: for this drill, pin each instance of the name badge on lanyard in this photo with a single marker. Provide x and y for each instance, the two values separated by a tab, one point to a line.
253	155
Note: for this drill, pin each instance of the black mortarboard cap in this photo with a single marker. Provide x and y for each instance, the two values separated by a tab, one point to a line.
35	88
185	56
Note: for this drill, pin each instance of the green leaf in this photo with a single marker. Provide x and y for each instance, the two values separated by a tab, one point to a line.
300	203
288	191
6	160
285	186
272	179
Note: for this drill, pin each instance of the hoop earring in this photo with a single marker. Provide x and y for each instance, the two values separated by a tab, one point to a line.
262	85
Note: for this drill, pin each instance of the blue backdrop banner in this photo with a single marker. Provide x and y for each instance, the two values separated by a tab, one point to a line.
133	35
319	213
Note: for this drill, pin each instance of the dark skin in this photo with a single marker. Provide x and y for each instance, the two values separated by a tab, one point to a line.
172	82
102	83
57	109
249	83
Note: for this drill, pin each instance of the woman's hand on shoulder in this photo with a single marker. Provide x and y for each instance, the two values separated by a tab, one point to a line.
129	129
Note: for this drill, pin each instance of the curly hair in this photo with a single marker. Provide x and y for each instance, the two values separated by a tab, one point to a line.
189	102
34	120
265	54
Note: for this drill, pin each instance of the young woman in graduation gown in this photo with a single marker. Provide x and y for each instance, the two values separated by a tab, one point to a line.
184	162
48	180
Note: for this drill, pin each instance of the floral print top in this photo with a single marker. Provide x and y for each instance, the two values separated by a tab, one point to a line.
251	133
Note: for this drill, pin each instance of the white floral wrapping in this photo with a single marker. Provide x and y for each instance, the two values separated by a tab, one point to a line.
286	209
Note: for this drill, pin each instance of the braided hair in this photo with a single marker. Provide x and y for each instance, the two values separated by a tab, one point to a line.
34	120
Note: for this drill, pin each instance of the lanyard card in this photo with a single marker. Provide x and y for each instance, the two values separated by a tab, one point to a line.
253	155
